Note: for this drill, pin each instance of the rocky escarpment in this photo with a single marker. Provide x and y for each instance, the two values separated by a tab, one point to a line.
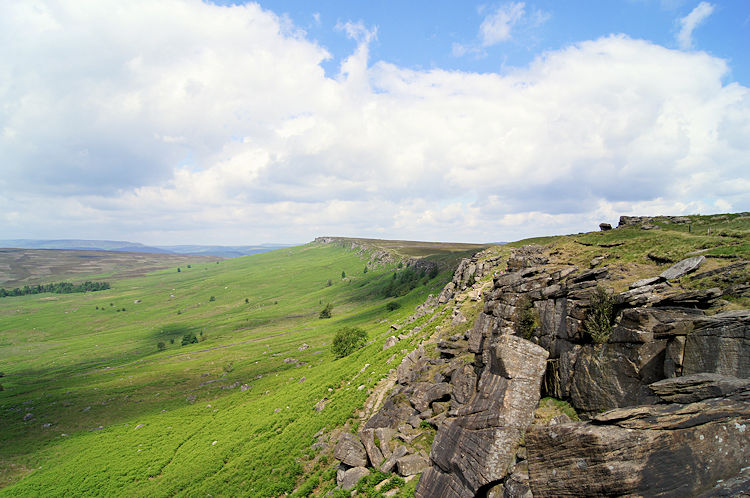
655	369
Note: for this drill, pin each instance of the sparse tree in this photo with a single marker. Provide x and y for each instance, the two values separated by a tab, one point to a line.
348	340
326	312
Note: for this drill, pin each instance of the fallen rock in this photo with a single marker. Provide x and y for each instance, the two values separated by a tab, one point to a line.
351	477
410	465
390	342
683	268
350	451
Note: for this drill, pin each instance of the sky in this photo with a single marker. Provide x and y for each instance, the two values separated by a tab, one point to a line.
190	122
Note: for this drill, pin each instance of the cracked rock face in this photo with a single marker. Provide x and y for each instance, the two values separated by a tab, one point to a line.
479	444
664	449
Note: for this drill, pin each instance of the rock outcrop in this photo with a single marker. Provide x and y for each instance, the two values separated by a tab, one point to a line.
659	376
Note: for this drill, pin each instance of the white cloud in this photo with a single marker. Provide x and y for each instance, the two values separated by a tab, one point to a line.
185	122
497	25
692	21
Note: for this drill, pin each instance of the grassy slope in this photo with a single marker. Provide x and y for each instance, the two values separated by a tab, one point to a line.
79	368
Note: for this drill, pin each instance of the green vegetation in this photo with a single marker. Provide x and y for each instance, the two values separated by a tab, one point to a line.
326	312
128	419
57	288
527	318
348	340
601	316
393	306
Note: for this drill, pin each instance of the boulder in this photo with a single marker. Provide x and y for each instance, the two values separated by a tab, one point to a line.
367	436
390	342
604	227
424	393
410	465
394	411
683	268
390	463
352	476
350	451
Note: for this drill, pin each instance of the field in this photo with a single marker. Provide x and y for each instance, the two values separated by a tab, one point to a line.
19	267
92	406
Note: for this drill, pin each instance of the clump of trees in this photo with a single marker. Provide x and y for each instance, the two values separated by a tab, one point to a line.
393	306
57	288
407	279
348	340
326	312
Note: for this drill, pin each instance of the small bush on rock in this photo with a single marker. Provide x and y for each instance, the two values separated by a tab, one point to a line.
348	340
601	316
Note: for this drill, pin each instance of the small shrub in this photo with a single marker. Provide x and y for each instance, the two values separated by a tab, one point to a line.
329	283
212	299
343	274
348	340
326	312
178	269
365	270
600	316
161	346
247	301
171	340
527	320
393	306
189	339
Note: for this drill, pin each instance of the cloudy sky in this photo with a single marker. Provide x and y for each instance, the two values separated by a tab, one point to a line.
181	121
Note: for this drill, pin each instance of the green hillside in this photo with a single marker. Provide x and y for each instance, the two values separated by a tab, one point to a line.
91	406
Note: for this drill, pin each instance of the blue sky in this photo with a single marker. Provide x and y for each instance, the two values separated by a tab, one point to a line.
182	121
421	35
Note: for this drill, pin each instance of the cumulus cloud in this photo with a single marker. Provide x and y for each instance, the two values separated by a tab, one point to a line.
497	25
181	121
692	21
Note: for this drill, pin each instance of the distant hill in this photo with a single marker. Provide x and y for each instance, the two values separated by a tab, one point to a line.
124	246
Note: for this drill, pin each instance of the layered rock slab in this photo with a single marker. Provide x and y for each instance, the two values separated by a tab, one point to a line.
657	450
478	445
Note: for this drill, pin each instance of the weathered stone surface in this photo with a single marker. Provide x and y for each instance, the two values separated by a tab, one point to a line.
697	387
410	465
646	281
390	342
367	436
480	443
349	450
648	452
390	463
701	299
683	268
447	293
720	344
480	332
352	476
394	411
438	484
410	366
424	393
464	383
384	435
615	375
604	227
